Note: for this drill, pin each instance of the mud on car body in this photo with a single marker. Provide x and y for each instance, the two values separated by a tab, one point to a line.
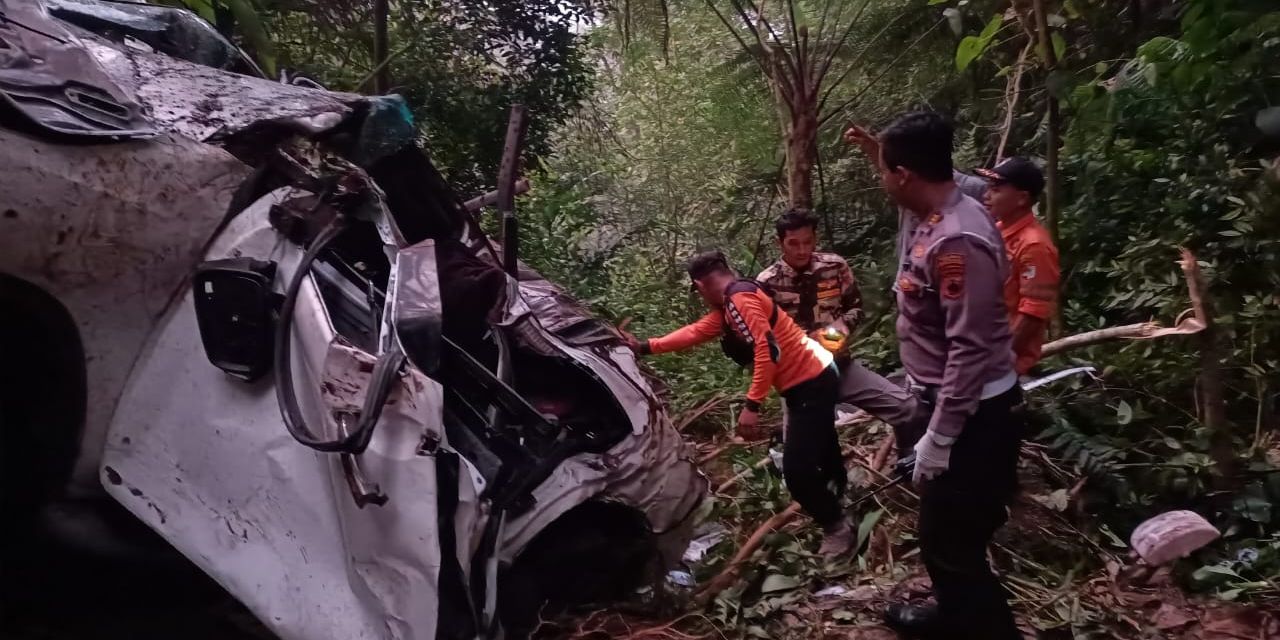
256	315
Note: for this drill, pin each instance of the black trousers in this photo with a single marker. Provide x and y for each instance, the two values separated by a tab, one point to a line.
961	510
811	460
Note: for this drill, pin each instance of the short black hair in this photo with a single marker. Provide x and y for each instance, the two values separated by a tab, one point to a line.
707	263
920	141
793	219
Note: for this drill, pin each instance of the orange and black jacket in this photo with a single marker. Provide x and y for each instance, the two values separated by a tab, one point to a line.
783	355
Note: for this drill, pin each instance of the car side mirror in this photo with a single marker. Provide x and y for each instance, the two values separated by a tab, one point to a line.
236	311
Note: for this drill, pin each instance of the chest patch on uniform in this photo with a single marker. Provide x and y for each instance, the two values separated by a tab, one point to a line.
934	218
918	251
906	285
1029	273
951	274
828	289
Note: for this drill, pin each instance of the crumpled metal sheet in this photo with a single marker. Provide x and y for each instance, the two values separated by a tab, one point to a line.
111	231
208	464
653	469
199	102
46	74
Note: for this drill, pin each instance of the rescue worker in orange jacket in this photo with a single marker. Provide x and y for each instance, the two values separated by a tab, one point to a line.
1031	289
953	331
1009	191
782	357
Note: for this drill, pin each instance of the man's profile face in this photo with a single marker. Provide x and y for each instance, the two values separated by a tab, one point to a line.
1003	200
798	246
712	291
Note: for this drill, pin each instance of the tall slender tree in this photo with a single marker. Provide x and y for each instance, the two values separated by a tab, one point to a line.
804	49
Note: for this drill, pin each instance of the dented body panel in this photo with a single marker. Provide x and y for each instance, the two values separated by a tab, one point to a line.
112	232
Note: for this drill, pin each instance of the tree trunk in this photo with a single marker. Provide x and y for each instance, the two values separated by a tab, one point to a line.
1212	396
381	78
1054	124
802	151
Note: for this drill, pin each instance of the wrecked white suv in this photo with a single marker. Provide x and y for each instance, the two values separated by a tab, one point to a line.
257	315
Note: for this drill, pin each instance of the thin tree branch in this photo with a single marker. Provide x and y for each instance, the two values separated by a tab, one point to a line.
835	51
772	34
822	20
801	75
743	43
831	86
851	101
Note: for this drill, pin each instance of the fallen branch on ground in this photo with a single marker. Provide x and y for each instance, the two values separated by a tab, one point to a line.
687	418
729	574
1188	322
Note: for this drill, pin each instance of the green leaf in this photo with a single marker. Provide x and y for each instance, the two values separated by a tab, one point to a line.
1059	46
993	25
1124	413
868	523
1229	594
778	582
933	2
1112	538
969	49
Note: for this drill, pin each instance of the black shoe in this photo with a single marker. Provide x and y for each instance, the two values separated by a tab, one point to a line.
914	620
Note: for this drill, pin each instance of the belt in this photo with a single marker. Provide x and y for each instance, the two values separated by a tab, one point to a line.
929	392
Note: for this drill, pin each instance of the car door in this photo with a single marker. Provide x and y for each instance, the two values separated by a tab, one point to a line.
316	541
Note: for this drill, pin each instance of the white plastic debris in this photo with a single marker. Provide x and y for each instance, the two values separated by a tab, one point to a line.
832	591
775	456
1172	535
682	579
699	546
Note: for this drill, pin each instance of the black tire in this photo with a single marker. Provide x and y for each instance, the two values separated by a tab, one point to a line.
42	398
597	553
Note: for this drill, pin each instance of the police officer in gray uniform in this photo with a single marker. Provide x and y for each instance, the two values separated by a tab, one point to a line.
955	344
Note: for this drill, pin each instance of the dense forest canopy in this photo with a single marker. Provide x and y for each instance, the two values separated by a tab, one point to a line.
662	127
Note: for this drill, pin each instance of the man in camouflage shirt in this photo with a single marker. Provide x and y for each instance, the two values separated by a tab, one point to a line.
819	292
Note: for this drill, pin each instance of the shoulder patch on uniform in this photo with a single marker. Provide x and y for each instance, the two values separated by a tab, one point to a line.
1029	272
951	274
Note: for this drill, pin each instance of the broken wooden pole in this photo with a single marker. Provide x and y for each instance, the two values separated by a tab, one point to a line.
517	124
490	198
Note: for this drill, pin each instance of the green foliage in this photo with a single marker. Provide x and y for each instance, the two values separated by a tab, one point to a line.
1136	191
972	47
460	65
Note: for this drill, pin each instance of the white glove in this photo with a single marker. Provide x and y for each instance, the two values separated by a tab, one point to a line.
933	456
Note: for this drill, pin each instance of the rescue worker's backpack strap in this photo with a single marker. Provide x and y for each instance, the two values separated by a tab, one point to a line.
732	343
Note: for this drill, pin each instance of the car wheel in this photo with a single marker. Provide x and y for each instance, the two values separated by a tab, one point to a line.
42	398
597	553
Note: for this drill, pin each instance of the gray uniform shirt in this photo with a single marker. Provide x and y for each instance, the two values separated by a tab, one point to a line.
953	330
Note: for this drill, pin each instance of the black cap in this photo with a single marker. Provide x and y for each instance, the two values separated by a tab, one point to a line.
1021	173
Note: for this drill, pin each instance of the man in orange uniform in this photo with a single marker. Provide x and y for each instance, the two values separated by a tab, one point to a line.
1031	288
781	357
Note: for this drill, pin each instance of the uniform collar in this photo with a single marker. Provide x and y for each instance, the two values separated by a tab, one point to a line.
791	272
952	200
1008	231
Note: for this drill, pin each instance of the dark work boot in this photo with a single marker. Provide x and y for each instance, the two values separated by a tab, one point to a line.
838	539
914	620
